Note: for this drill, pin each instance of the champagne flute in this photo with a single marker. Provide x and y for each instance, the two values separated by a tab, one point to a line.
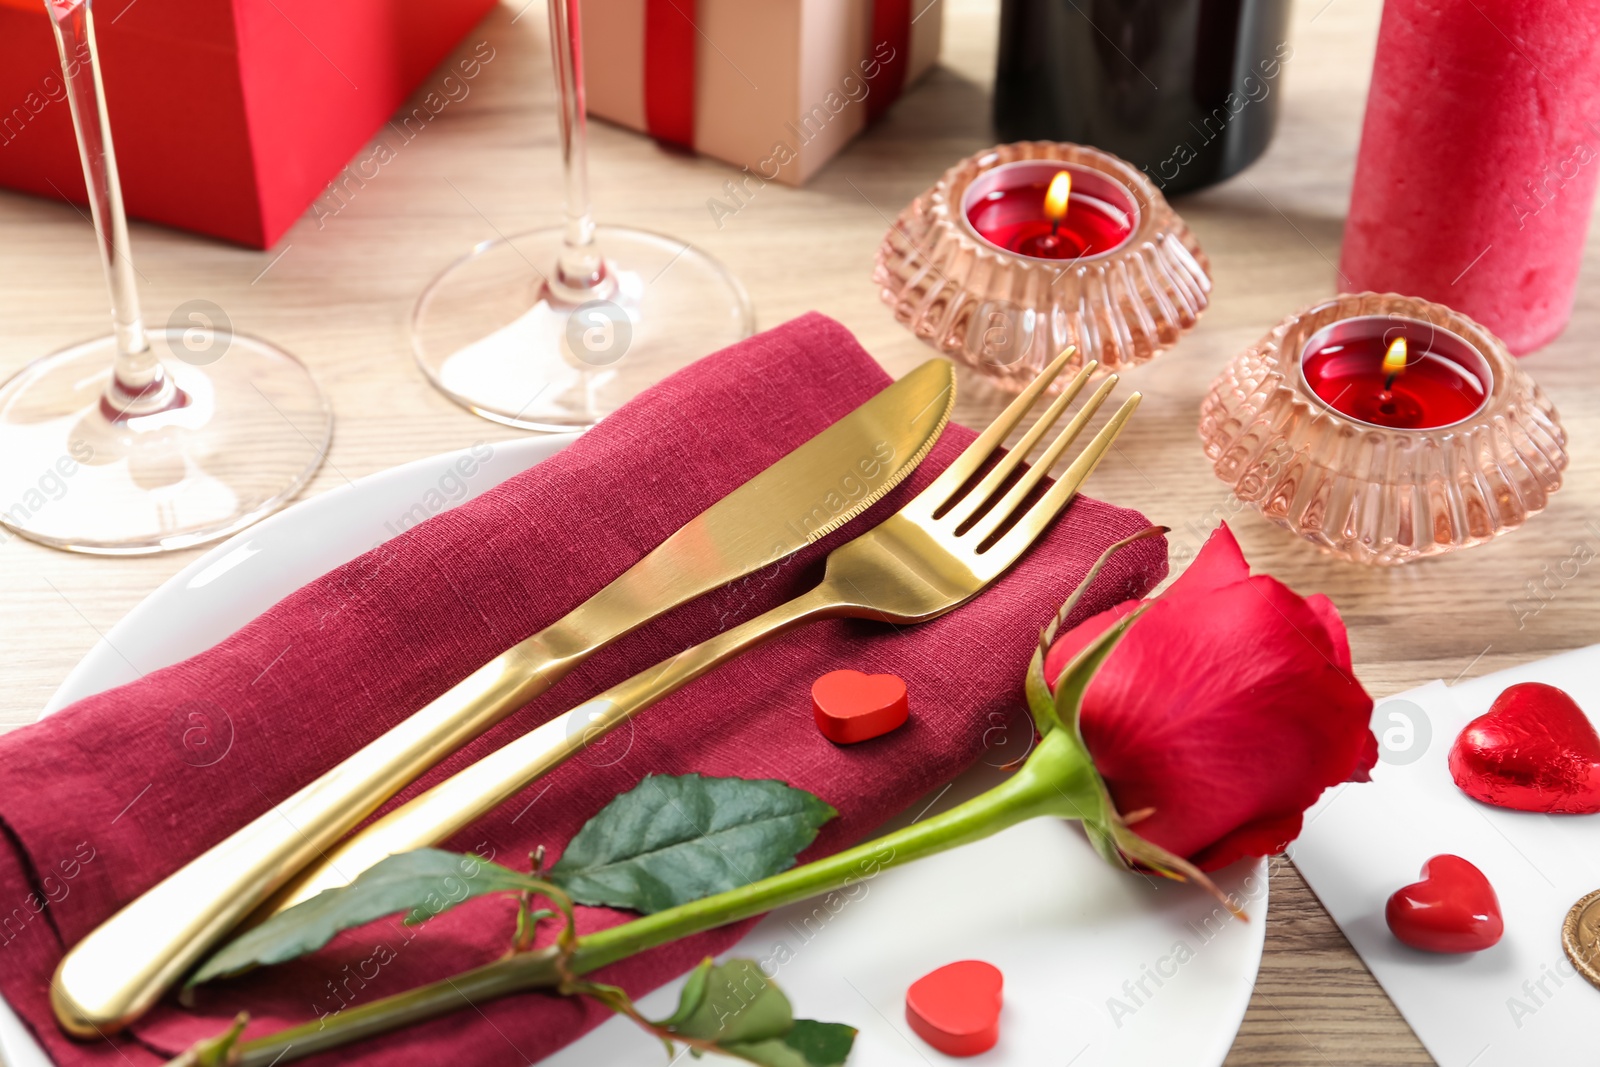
554	328
147	440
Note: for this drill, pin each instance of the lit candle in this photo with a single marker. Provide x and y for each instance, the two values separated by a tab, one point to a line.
1040	209
1394	372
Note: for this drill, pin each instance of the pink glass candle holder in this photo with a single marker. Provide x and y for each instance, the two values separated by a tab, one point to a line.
1448	444
978	268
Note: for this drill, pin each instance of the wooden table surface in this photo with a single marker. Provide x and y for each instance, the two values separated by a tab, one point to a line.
337	289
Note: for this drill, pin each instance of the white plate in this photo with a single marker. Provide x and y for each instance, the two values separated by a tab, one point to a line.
1102	968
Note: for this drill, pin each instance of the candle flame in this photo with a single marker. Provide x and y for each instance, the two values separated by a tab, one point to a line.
1057	196
1394	360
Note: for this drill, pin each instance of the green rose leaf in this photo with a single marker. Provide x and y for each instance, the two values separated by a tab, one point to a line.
422	883
694	993
808	1044
738	1010
730	1003
822	1044
672	840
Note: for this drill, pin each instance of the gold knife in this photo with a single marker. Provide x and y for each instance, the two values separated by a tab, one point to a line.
122	968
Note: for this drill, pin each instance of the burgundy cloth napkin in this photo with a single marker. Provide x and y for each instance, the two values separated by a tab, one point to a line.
102	800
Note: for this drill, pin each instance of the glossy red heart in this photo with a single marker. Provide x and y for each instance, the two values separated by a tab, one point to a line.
850	706
1452	909
1533	750
956	1009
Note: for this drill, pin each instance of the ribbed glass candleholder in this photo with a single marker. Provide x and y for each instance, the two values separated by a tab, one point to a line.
1007	315
1376	493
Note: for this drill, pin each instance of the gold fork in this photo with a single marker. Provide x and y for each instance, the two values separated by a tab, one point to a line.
932	556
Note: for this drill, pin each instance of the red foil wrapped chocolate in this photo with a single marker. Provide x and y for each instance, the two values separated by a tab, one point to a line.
1533	750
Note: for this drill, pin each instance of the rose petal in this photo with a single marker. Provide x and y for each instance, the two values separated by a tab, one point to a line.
1219	563
1264	837
1333	626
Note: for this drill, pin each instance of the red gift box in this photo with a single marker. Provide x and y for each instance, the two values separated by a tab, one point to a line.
228	117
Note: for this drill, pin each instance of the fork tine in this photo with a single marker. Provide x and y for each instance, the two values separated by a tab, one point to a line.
969	504
973	456
1038	518
1007	507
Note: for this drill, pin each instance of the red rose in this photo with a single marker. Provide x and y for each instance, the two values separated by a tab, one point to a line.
1225	711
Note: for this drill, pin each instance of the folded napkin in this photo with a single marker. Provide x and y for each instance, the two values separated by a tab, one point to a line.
98	802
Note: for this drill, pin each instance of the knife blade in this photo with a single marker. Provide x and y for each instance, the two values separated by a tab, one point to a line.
123	967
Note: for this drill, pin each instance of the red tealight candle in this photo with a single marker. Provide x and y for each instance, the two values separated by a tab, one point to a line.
1399	373
1033	208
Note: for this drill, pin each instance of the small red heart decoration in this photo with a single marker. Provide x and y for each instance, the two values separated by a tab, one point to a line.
1452	909
956	1009
850	706
1533	750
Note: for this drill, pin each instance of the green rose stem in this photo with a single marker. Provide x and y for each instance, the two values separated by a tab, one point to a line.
1056	780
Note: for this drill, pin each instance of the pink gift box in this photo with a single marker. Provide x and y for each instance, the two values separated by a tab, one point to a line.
778	87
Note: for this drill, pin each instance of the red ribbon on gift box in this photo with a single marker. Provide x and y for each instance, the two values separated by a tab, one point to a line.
669	64
891	25
669	34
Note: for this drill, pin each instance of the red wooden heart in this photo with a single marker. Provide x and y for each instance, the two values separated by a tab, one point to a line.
1533	750
1452	909
956	1009
850	706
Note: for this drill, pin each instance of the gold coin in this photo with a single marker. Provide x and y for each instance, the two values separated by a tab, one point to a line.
1580	937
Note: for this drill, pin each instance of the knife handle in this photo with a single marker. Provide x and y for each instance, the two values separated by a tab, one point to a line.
474	791
124	966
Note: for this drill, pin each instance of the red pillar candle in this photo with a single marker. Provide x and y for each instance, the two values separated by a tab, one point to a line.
1395	372
1479	160
1046	209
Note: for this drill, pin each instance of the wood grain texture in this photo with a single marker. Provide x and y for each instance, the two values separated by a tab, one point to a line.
338	289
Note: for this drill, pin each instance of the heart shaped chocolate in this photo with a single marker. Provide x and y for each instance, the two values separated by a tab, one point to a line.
850	706
956	1009
1533	750
1452	909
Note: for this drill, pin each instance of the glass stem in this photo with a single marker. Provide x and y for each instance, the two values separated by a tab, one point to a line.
580	268
139	384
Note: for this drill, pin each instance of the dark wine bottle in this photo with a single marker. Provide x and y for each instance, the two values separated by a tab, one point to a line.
1186	90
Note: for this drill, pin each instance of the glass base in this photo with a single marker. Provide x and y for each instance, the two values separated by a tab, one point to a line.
494	333
248	431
